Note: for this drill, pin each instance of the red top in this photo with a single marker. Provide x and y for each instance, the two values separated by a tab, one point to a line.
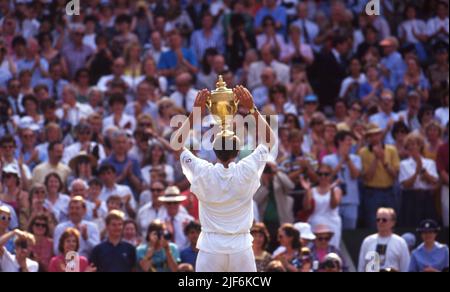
58	264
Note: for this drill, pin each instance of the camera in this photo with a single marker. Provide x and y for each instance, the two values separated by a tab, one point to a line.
164	234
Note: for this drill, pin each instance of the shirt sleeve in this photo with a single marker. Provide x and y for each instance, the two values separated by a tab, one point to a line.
431	169
413	266
257	160
405	257
404	172
191	164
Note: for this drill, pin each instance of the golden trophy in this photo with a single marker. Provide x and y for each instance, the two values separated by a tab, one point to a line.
223	105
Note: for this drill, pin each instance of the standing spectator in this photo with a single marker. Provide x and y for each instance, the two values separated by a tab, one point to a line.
414	31
196	9
83	133
75	52
114	254
42	251
261	240
54	164
381	165
309	29
69	242
192	232
176	220
386	118
392	249
268	59
90	235
269	36
442	166
278	13
294	50
158	254
410	116
419	179
347	167
156	47
185	94
37	66
430	256
414	78
392	65
176	58
123	35
20	262
438	27
206	37
274	203
325	198
55	83
73	111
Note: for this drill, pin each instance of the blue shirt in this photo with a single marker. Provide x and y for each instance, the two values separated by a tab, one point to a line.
437	258
279	14
114	259
37	78
394	62
352	190
120	167
159	259
200	42
169	60
189	256
381	119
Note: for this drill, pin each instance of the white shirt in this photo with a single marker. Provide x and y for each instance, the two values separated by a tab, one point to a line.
178	98
75	114
263	39
9	263
254	75
441	115
349	81
226	211
60	207
408	169
118	190
74	149
179	222
86	246
289	49
125	120
147	214
163	83
311	27
397	252
407	28
435	24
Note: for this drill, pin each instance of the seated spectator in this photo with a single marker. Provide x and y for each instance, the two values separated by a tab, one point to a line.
42	250
430	256
321	246
130	233
289	238
261	240
192	232
152	209
391	249
12	193
332	263
158	254
294	51
114	254
118	117
185	94
68	244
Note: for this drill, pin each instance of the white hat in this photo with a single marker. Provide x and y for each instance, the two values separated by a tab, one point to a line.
305	231
28	123
11	168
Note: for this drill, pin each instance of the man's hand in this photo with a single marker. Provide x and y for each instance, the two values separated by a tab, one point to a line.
200	100
244	97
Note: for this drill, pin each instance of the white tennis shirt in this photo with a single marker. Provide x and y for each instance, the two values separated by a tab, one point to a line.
225	199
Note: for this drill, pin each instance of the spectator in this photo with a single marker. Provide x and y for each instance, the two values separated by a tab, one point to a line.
399	132
351	86
289	238
278	13
130	233
185	94
430	256
32	61
90	236
176	220
414	78
20	262
414	31
268	59
114	254
72	111
309	29
437	75
7	215
347	167
419	178
381	165
192	232
83	133
152	209
392	65
118	118
54	164
441	113
75	52
158	253
442	166
42	250
206	37
12	193
294	51
433	136
437	27
410	115
118	74
261	93
386	118
68	243
7	157
155	158
332	263
56	83
269	36
325	198
146	97
391	248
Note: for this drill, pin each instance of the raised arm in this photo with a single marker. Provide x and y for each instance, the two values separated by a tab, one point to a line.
246	99
180	136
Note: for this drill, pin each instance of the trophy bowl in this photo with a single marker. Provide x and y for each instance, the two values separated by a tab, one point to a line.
223	105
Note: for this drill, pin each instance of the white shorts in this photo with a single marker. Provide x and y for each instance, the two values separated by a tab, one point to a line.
243	261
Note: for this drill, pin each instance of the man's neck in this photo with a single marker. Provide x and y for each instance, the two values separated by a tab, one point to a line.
429	245
53	163
120	157
114	240
385	233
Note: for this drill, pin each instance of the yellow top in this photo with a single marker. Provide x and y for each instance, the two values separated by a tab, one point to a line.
381	179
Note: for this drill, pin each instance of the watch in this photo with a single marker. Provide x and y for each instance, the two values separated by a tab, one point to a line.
253	110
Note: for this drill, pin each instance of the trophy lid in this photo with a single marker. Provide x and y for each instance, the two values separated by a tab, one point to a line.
221	88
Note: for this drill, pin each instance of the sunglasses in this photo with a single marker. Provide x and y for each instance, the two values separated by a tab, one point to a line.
156	190
5	218
324	238
40	225
324	174
23	245
382	220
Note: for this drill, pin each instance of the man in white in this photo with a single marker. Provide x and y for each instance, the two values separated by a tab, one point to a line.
225	192
384	250
20	262
185	95
71	110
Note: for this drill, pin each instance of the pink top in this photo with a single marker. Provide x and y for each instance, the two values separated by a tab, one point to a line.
43	252
58	264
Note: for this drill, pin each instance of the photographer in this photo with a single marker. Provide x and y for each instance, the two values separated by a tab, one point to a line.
274	203
158	254
347	167
20	262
